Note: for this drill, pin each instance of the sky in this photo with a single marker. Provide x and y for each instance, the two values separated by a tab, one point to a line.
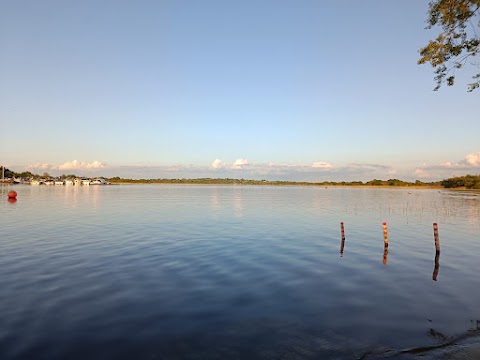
274	89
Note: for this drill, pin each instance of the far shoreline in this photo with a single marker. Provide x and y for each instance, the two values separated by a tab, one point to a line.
459	183
413	187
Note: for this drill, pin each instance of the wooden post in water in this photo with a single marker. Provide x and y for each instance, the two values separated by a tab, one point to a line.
342	246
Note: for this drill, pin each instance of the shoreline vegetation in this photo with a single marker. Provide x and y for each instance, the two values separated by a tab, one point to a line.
460	182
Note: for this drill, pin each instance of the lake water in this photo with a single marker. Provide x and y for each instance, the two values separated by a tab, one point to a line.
237	272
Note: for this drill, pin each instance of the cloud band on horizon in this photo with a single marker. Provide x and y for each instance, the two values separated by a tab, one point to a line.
317	171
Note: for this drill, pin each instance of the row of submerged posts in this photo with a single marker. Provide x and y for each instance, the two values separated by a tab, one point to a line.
385	246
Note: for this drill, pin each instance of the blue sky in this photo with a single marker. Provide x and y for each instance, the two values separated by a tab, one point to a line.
295	90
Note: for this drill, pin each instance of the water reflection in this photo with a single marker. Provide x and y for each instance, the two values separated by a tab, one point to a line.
321	203
342	246
238	202
435	236
385	246
215	200
437	265
385	234
179	275
427	204
385	243
385	253
437	251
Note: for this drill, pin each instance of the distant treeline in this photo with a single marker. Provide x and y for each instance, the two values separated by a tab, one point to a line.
29	175
467	182
230	181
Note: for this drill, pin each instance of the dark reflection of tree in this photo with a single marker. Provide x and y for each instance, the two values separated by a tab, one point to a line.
473	327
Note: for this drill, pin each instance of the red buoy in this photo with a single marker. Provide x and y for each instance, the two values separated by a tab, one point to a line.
12	194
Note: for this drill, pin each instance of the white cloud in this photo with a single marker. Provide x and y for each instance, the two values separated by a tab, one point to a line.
322	165
39	166
218	164
421	173
447	169
243	168
69	165
473	159
240	163
75	164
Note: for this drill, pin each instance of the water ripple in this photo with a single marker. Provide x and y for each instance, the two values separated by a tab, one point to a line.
194	272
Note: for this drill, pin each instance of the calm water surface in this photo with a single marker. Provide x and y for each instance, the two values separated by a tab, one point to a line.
237	272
